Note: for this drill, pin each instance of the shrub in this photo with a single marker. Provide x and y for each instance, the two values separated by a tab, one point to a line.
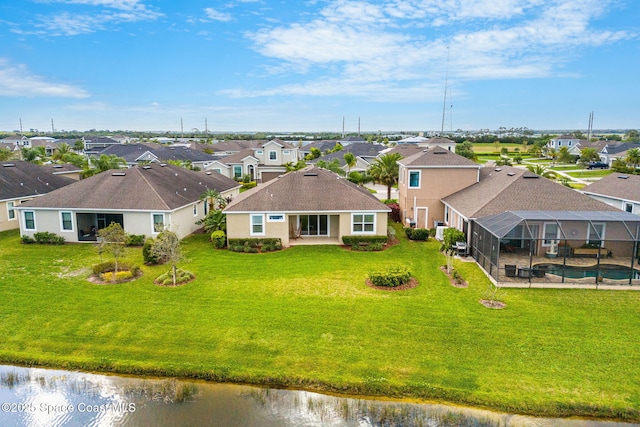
107	266
369	247
408	231
255	245
135	240
363	240
394	215
390	277
182	276
120	275
250	249
46	238
147	253
419	234
219	239
248	185
27	239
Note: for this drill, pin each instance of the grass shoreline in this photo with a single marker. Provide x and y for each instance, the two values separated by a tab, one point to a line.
258	319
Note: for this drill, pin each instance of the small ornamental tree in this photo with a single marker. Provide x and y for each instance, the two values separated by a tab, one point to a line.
166	248
450	237
111	240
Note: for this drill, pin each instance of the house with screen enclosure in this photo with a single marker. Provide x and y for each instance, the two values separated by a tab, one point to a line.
526	230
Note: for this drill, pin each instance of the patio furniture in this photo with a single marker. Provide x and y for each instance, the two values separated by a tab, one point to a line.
524	272
510	270
461	249
539	272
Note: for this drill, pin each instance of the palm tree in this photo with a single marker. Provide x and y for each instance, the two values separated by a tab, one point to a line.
541	171
633	157
214	199
62	150
103	163
385	170
350	159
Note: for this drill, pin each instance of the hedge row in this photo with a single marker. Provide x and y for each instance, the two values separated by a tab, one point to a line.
44	238
365	243
255	245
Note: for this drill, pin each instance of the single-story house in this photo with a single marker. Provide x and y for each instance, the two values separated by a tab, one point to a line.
143	200
618	190
309	206
21	181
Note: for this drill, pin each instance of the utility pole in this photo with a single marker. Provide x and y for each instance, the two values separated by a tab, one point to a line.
181	128
342	126
590	130
359	126
52	128
21	133
206	129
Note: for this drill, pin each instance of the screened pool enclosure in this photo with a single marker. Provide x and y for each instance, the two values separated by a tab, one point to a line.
525	248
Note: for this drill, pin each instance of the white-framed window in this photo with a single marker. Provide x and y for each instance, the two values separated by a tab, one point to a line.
11	211
195	209
66	221
273	155
259	152
275	217
286	152
237	171
257	225
595	235
29	220
628	207
363	223
550	231
414	179
157	222
446	215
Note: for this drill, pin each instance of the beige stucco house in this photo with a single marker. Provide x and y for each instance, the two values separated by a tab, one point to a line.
309	206
427	176
143	200
22	181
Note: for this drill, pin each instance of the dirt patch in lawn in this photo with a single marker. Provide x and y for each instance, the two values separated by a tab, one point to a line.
458	283
412	283
497	305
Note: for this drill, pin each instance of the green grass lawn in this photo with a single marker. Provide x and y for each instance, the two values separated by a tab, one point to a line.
596	173
303	317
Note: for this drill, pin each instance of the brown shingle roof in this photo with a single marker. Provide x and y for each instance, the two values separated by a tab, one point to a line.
437	157
621	188
308	190
151	187
508	189
23	179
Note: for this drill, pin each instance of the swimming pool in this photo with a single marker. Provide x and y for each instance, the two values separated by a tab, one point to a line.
606	271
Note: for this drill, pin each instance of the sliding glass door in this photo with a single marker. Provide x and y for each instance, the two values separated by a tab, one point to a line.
314	225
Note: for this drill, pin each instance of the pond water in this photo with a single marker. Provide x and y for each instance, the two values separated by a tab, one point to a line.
50	398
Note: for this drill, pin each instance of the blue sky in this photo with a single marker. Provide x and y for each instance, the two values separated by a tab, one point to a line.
261	65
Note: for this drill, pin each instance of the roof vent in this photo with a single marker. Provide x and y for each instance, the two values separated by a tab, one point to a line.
497	169
623	176
208	173
163	165
440	152
8	165
146	167
530	176
119	174
310	174
511	173
57	166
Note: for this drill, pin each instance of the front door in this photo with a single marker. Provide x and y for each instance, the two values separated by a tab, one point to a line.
422	214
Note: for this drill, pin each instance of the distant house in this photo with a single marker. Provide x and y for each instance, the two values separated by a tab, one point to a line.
143	200
429	175
364	152
311	205
569	141
621	191
613	151
135	154
20	182
94	144
261	164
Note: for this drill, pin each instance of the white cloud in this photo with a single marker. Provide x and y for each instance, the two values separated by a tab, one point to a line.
16	80
369	46
216	15
111	12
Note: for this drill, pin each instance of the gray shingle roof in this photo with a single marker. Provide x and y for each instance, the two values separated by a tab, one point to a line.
25	179
308	190
508	188
621	188
151	187
437	157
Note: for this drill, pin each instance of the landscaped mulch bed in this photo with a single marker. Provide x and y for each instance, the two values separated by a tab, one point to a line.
412	283
453	281
96	279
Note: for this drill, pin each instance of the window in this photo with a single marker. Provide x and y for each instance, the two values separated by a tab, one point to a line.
286	153
257	225
551	232
29	220
259	152
628	207
363	223
596	234
314	225
66	222
158	223
275	218
11	212
195	210
237	171
446	215
414	179
273	155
